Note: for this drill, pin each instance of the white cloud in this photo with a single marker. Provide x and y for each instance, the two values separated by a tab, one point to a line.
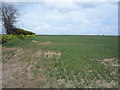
70	18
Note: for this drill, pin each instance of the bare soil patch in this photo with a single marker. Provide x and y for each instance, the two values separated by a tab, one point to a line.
13	76
46	42
51	54
34	41
43	43
24	70
110	62
109	59
10	53
8	69
48	54
38	53
0	75
105	83
9	49
18	73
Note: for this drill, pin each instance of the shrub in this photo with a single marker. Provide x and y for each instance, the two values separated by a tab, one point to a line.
8	38
0	38
19	31
21	36
17	34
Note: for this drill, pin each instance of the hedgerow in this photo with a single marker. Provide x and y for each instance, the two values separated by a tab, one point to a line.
10	38
19	31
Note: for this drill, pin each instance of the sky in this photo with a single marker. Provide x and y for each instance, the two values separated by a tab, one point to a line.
68	18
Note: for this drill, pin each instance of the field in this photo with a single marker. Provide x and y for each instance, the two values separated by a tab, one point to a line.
61	62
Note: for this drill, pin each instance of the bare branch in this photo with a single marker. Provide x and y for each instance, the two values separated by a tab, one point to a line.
9	17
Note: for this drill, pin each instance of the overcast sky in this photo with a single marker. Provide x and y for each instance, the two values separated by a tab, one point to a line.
71	18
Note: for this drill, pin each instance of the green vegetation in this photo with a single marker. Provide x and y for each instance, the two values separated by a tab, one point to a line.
10	38
19	31
0	38
69	61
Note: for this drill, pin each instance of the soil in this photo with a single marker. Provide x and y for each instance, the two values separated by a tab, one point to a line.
34	41
16	74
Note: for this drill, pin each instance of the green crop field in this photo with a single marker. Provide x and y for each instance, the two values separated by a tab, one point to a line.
61	62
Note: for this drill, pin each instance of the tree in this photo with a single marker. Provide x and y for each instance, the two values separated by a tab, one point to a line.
9	17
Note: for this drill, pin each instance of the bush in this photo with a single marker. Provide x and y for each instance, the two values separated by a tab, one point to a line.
19	31
21	36
24	36
8	38
0	38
